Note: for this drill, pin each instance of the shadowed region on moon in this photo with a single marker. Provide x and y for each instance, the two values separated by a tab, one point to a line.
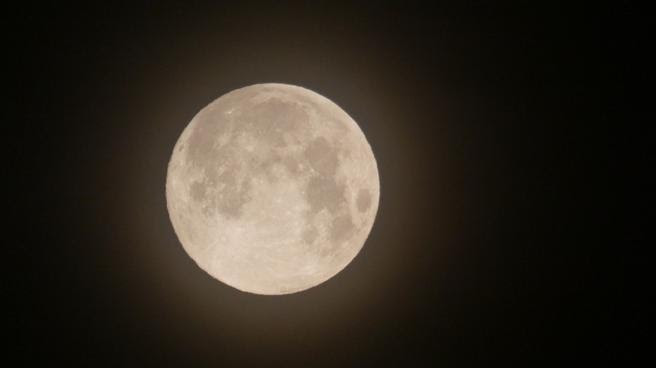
264	181
364	200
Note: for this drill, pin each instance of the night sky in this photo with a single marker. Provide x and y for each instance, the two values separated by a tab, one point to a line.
485	121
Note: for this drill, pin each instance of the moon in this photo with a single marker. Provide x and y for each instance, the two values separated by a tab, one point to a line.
272	189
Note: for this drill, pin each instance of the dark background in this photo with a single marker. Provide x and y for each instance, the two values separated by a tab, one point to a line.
487	125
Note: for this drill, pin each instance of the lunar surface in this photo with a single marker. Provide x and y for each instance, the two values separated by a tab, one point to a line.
272	189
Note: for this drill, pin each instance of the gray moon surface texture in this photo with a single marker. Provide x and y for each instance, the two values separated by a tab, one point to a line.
272	189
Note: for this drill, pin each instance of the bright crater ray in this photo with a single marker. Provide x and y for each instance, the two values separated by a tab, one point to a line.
272	189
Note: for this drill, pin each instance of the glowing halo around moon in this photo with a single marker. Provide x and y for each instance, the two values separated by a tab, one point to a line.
272	189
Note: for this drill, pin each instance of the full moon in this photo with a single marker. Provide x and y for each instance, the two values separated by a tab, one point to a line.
272	189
